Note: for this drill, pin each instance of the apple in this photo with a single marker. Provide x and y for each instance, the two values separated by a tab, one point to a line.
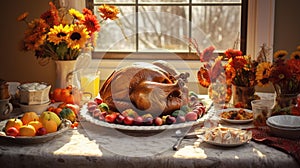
157	121
13	122
148	121
96	113
92	107
120	118
128	120
98	100
138	120
41	131
191	116
110	118
180	119
170	120
12	131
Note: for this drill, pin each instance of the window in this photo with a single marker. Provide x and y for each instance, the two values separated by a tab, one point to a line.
159	29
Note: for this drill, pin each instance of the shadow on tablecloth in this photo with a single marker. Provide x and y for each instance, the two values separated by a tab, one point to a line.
289	146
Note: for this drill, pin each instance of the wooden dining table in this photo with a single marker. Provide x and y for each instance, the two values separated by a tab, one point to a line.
91	145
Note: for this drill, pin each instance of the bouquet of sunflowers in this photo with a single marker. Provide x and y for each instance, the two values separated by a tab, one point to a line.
284	74
61	34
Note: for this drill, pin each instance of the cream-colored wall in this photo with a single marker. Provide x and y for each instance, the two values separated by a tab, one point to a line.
19	66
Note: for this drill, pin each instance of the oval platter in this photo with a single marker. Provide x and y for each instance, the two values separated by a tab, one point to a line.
88	117
35	139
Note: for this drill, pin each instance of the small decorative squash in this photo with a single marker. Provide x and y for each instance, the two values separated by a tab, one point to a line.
68	114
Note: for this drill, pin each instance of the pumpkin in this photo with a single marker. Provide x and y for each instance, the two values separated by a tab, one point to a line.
68	114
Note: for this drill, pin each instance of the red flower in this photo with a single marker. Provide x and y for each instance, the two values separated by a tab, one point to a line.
207	54
91	23
231	53
238	62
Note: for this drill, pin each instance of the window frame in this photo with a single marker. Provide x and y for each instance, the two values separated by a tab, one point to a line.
260	29
190	55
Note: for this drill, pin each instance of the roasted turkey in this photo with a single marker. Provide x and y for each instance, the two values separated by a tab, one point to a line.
155	88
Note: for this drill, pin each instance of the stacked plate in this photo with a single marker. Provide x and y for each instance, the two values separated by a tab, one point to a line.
287	126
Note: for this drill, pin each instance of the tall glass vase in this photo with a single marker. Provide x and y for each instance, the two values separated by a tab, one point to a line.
283	102
242	96
63	69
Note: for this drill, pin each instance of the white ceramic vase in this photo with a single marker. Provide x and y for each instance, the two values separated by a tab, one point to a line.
63	71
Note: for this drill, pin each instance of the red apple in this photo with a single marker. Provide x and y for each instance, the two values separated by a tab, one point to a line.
158	121
41	131
138	120
120	118
12	131
191	116
110	118
128	120
98	100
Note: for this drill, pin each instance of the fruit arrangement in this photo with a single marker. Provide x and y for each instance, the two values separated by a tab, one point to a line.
69	95
191	112
31	124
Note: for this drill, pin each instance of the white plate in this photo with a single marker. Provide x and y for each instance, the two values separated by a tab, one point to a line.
87	116
232	120
35	139
226	145
286	121
242	136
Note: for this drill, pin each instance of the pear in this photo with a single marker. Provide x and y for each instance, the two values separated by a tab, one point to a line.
49	115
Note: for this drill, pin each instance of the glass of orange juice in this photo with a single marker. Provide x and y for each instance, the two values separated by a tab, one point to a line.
90	82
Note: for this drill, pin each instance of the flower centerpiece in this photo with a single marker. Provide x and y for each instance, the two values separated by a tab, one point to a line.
212	75
241	72
284	74
61	34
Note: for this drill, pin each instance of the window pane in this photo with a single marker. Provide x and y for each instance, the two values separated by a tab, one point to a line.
111	36
239	1
216	25
169	1
117	1
163	27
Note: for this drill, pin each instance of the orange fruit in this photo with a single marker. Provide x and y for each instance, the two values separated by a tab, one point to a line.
36	124
29	116
50	126
27	130
56	94
57	110
13	122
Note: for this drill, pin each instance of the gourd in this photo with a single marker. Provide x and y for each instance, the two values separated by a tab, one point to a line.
68	114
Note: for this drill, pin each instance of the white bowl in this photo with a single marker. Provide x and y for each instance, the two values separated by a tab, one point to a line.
291	133
38	108
285	121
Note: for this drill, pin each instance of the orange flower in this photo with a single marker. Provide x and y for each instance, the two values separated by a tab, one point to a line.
203	77
108	12
23	16
91	23
229	53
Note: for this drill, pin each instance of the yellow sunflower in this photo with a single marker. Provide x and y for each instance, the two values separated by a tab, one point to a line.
76	14
280	54
58	33
295	55
263	73
78	36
